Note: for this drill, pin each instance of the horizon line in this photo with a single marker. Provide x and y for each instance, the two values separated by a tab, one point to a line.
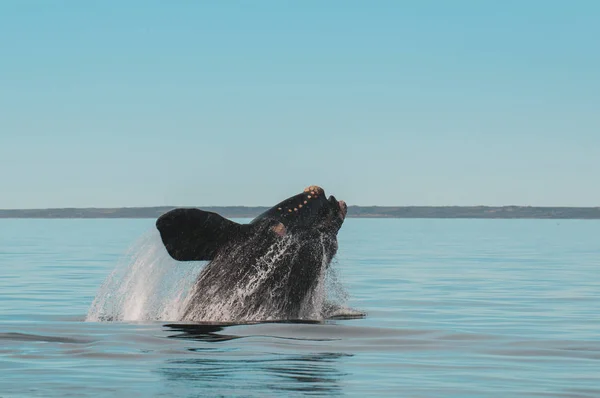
263	206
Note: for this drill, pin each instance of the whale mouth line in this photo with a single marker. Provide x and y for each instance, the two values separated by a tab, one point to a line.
342	207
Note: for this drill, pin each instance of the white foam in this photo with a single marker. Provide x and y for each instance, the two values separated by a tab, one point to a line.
147	285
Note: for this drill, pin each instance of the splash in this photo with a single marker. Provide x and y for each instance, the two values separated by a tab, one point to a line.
314	303
147	285
216	298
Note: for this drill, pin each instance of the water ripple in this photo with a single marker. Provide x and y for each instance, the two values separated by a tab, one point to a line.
455	308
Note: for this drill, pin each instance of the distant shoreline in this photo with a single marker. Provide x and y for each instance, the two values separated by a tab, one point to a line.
487	212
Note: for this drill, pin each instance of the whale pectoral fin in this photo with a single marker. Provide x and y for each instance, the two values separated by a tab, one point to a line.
195	235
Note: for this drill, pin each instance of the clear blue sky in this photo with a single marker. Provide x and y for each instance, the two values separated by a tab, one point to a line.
142	103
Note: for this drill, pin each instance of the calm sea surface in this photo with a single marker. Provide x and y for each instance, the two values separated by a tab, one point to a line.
455	308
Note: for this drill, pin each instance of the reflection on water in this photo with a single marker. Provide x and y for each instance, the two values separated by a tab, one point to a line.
221	367
208	331
200	332
302	373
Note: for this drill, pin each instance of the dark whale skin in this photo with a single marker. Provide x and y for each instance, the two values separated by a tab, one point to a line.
265	270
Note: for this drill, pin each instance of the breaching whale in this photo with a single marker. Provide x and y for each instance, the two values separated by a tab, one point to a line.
267	269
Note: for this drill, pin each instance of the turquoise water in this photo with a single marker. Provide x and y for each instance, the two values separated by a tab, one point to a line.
455	308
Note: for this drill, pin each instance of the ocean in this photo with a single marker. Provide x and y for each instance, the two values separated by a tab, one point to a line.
452	308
